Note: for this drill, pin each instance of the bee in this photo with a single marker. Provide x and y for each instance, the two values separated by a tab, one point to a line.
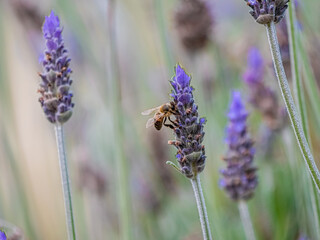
162	114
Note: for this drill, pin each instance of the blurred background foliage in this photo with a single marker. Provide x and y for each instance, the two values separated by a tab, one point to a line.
31	203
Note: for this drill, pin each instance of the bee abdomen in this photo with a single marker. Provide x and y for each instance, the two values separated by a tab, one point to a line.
158	125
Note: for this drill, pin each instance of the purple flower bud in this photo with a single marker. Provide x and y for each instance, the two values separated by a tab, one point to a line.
239	178
266	11
56	97
189	127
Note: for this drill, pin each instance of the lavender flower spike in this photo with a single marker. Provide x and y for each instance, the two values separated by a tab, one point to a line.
239	178
189	131
56	97
267	11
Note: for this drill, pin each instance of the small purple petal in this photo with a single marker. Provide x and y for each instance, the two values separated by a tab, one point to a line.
51	24
181	77
184	98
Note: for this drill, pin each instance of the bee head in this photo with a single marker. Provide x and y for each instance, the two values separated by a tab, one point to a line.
165	108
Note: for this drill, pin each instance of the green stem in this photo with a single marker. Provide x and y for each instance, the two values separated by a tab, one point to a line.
291	108
125	210
310	83
196	185
246	220
296	77
65	182
299	95
160	18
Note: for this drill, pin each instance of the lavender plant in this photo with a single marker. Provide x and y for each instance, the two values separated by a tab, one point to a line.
189	135
56	100
268	13
239	179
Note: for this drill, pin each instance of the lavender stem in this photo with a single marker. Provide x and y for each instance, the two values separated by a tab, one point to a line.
291	108
65	181
246	220
196	185
300	97
124	194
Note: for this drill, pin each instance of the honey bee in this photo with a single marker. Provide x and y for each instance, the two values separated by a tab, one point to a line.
162	114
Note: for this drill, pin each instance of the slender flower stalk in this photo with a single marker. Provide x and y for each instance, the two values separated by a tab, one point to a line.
56	101
296	77
197	189
124	196
188	130
275	10
291	108
162	28
246	220
310	83
300	97
65	181
239	178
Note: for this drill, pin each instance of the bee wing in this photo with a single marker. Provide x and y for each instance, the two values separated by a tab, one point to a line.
150	122
149	111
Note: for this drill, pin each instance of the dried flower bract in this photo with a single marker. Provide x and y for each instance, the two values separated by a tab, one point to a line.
266	11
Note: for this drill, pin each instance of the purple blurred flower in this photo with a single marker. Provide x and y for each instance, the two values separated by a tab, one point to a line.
255	68
189	130
194	20
56	97
239	178
261	96
264	12
3	236
303	237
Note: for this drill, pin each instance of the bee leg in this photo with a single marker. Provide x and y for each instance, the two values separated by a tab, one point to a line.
174	112
174	123
167	125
